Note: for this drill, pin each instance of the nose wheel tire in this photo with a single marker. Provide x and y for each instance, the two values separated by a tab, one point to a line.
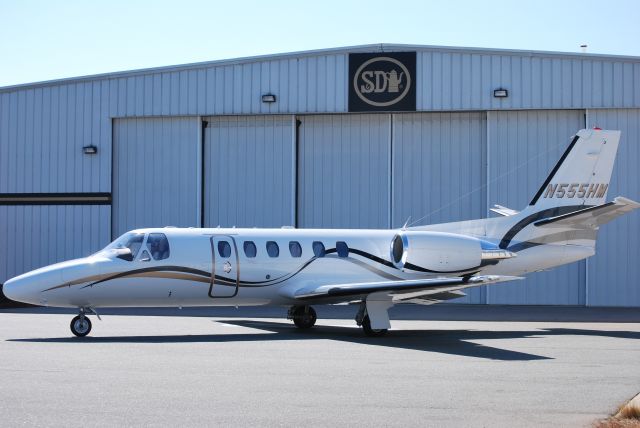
304	317
80	325
371	332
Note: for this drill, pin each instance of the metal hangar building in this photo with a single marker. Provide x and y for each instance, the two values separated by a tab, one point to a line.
358	137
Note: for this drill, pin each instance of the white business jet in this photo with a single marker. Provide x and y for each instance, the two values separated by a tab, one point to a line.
374	269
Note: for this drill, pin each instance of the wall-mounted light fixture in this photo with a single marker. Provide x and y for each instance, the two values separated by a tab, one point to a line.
90	150
268	98
500	93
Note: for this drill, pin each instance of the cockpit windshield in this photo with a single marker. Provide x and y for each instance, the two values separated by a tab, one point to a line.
130	240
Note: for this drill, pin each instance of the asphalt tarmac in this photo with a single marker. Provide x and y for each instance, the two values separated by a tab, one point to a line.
206	368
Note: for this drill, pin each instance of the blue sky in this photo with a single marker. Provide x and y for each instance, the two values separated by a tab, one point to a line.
42	40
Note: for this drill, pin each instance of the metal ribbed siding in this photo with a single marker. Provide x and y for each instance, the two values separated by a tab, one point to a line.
156	179
249	171
35	236
344	171
308	84
466	80
523	147
438	167
42	132
439	162
614	271
44	126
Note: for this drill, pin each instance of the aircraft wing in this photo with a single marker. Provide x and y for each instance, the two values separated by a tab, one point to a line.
400	290
592	217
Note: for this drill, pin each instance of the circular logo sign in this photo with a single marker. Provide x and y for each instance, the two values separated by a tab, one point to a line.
382	81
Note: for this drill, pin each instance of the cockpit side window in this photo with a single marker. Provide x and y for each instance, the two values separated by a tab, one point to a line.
134	243
131	241
158	246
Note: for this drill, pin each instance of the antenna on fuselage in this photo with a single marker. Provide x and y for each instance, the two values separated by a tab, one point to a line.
406	223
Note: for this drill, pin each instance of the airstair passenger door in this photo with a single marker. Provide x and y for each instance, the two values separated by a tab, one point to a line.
225	267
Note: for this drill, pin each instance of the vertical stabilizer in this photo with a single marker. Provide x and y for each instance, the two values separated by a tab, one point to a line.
582	175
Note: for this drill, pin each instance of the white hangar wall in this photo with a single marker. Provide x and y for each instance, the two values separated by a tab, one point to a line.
456	150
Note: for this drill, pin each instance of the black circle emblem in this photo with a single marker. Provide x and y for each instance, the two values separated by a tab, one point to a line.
382	81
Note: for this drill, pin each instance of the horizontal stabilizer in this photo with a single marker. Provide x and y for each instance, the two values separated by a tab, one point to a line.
592	217
426	286
503	211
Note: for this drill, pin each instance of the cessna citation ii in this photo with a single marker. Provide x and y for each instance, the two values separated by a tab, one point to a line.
373	269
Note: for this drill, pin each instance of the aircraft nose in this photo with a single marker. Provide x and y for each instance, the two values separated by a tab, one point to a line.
12	289
27	287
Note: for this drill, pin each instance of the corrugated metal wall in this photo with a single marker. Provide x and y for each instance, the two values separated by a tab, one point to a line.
439	170
52	121
613	273
35	236
466	80
317	83
42	132
523	147
344	171
439	162
249	171
155	173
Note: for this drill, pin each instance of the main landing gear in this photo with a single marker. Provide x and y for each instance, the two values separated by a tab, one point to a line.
303	317
372	332
81	324
363	320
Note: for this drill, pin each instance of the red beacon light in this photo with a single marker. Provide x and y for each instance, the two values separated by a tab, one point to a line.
596	128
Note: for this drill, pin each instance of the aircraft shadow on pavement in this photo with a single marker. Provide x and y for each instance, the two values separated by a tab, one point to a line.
453	342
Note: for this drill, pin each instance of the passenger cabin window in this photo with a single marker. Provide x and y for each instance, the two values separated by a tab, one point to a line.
158	246
272	249
342	249
250	249
295	249
318	249
224	249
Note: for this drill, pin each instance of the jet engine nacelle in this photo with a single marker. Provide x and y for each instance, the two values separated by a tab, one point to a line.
442	252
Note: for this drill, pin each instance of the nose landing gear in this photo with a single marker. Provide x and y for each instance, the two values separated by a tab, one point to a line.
81	324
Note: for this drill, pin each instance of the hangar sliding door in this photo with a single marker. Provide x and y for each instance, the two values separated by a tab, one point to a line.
612	275
249	171
523	148
155	173
344	171
439	171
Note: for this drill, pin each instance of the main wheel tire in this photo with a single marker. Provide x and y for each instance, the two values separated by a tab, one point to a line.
366	326
304	318
80	326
